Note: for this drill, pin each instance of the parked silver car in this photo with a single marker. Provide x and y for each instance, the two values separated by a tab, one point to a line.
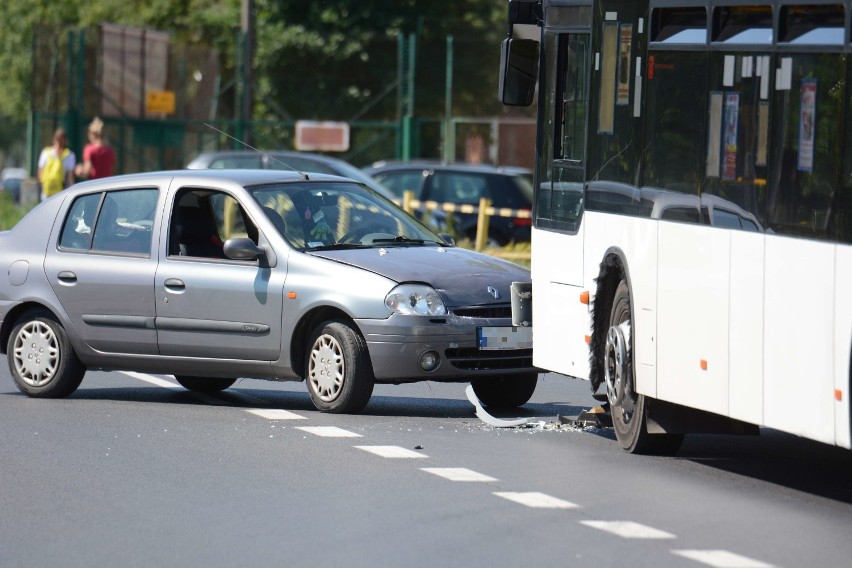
214	275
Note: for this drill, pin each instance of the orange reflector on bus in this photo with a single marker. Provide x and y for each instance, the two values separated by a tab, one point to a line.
291	295
838	395
584	298
588	339
704	364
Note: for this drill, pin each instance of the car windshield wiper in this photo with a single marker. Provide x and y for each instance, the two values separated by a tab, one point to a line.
337	246
403	240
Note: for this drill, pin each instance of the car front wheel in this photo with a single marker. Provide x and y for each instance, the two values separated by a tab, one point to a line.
505	391
339	373
42	362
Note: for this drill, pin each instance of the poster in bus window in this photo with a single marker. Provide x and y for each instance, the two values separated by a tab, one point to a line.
807	125
732	112
609	64
625	42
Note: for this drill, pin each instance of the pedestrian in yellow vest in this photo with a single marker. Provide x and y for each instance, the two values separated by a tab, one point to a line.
56	165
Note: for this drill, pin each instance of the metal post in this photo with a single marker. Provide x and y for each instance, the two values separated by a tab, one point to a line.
449	131
247	103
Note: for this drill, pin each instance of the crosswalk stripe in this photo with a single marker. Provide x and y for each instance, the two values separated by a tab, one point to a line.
628	529
721	559
276	414
536	500
328	431
458	474
392	452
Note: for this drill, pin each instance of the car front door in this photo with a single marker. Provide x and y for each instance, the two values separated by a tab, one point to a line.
102	269
208	305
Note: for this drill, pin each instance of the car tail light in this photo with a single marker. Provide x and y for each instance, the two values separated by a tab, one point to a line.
522	222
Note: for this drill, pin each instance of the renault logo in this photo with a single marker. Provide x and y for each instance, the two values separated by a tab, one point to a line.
494	293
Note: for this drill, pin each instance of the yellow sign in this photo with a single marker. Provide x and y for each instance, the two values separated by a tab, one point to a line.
160	102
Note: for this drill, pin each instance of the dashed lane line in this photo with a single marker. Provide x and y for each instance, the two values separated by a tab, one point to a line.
458	474
628	529
536	500
721	559
276	414
392	452
328	431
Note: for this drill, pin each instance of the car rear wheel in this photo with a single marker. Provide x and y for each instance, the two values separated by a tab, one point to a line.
204	384
505	391
42	362
339	374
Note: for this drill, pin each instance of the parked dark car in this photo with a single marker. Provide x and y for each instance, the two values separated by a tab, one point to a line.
458	184
215	275
284	160
10	182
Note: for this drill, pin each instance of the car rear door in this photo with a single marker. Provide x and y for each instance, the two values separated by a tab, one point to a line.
102	268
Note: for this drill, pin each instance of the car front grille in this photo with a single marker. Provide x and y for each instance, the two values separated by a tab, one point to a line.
473	359
497	311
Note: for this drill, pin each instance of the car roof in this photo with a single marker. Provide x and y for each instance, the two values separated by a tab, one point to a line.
204	158
244	177
384	166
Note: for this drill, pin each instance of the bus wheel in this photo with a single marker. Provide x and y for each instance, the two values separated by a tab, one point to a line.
629	409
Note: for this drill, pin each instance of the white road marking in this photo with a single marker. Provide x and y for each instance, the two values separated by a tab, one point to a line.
628	529
458	474
721	559
392	452
536	500
329	431
152	380
276	414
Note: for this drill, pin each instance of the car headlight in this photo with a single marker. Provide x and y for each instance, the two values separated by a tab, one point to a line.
415	300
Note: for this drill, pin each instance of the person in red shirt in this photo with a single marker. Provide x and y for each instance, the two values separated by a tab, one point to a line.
98	157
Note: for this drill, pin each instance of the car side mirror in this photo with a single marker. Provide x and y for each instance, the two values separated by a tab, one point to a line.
518	71
448	240
241	248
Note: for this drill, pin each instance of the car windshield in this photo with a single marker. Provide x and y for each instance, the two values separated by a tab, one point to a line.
338	215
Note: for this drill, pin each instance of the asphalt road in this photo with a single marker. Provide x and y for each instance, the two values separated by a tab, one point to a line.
135	471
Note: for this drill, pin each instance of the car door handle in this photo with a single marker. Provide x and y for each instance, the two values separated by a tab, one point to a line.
67	277
174	285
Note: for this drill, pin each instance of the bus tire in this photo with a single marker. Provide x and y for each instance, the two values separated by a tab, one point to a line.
628	408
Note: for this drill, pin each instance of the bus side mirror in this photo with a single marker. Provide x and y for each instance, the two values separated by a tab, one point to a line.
518	71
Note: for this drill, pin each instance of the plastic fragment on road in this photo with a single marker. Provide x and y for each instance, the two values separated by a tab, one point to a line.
487	418
597	417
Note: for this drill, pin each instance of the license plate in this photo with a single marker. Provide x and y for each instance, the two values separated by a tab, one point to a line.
496	338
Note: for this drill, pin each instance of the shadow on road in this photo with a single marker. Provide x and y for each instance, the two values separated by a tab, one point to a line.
779	458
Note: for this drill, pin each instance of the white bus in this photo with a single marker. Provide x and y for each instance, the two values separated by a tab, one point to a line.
692	240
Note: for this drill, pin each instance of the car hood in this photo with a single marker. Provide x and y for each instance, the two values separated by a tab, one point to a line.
461	276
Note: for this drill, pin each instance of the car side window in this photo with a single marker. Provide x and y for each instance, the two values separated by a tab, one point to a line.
77	231
202	220
400	182
458	188
125	221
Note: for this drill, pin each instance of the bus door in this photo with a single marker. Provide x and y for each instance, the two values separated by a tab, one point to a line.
558	234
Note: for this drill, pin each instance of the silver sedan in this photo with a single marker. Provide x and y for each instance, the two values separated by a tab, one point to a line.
217	275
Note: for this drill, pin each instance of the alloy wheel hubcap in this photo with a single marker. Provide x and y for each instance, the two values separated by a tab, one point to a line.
326	368
36	354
